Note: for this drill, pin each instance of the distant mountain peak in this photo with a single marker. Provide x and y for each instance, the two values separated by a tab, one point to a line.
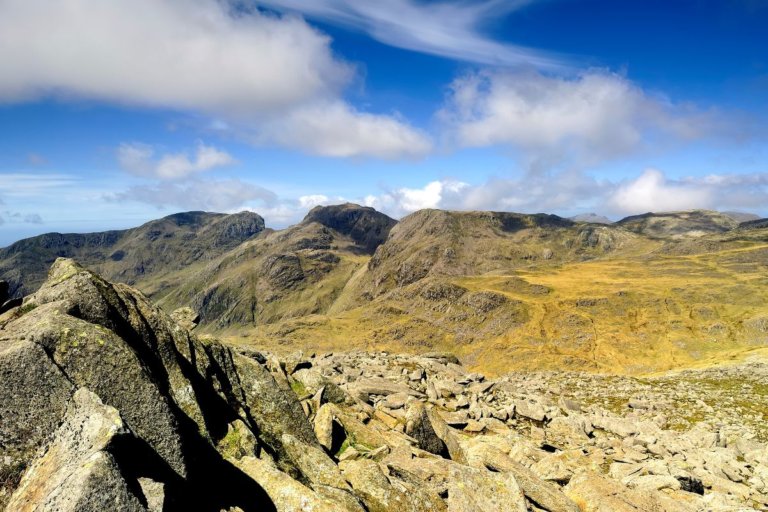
591	218
365	225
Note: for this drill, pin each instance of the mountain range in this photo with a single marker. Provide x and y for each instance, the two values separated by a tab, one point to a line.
502	290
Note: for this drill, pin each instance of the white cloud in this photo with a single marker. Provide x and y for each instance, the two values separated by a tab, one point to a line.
570	192
214	195
139	159
585	119
651	191
186	55
446	29
33	185
336	129
312	200
242	68
435	194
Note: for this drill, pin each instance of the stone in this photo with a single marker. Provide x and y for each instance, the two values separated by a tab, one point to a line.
531	410
473	490
286	494
419	426
599	494
77	471
380	494
186	317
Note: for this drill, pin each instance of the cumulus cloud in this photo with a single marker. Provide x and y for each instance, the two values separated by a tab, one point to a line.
214	195
570	192
336	129
243	68
446	29
446	194
587	118
651	191
187	55
139	159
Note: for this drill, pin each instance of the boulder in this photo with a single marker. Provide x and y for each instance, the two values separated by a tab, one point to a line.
473	490
77	471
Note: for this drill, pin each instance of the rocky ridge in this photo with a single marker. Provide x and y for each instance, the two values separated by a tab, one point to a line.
108	404
142	255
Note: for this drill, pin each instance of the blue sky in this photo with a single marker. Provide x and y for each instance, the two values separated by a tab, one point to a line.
114	113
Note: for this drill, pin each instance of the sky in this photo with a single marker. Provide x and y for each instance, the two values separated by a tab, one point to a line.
115	113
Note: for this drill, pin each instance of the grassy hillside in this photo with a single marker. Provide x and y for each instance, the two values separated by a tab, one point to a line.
502	290
548	294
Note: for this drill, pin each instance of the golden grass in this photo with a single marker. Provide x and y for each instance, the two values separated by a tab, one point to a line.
637	314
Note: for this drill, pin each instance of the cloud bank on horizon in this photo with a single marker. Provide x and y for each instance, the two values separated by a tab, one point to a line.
256	81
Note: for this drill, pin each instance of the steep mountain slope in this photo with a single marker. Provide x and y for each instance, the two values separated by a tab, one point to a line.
291	273
140	256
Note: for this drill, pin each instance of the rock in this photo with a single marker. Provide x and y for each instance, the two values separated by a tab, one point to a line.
599	494
474	426
286	494
443	357
364	388
395	400
186	317
382	495
10	304
77	471
531	410
473	490
29	415
4	289
419	426
314	381
545	494
154	494
275	411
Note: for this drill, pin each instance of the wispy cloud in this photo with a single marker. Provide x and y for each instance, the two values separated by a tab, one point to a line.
31	185
214	195
139	159
451	29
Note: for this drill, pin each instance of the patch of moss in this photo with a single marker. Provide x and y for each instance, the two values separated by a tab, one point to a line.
25	308
299	389
229	445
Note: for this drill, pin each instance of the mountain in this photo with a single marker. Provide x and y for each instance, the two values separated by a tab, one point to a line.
591	218
291	273
742	216
142	255
693	223
109	404
507	290
501	290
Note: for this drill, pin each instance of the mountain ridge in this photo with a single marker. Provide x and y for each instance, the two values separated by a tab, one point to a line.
532	291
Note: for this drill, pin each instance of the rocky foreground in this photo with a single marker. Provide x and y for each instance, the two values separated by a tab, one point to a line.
109	403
